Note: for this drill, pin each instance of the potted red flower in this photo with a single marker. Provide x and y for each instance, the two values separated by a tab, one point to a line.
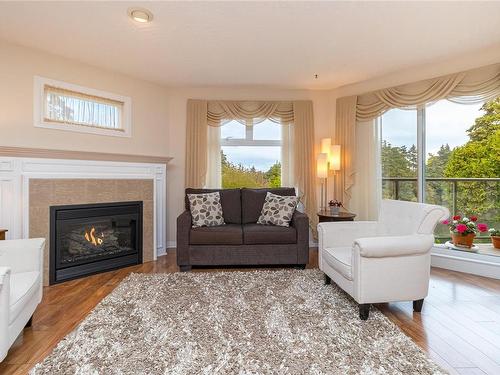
495	237
463	230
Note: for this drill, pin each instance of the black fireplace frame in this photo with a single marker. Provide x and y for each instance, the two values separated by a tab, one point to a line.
59	275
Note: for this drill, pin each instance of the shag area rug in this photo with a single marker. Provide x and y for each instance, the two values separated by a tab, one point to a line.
261	322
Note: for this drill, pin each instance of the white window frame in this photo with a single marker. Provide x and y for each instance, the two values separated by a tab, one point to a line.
39	116
248	140
421	153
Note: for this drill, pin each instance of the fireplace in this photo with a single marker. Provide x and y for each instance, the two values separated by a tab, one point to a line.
91	238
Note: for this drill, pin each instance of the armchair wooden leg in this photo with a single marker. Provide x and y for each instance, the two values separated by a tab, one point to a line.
417	305
364	311
185	268
328	280
30	322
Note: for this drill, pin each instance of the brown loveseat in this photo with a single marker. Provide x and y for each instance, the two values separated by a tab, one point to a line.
241	241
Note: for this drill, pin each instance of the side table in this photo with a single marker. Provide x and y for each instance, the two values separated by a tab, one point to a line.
325	216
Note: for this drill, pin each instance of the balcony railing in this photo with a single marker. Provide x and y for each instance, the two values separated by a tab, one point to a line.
396	183
453	193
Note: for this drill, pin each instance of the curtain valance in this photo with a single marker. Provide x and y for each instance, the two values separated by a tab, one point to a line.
465	87
222	111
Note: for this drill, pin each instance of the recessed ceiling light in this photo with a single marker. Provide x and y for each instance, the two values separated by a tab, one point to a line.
140	15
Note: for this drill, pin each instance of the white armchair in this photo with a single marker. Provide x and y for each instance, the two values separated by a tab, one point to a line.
382	261
21	272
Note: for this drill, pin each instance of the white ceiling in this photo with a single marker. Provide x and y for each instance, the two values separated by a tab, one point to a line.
275	44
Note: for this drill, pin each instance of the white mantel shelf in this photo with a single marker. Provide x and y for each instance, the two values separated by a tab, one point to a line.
23	152
16	172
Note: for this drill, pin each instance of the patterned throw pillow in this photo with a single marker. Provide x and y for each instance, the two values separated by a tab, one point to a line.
206	209
278	210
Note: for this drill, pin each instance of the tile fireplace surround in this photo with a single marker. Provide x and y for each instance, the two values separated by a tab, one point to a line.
44	193
29	186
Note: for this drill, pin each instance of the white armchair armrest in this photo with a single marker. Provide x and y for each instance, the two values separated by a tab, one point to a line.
334	234
394	246
22	255
4	274
4	310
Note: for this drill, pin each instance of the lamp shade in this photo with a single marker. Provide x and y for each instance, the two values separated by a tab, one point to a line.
322	165
334	158
326	144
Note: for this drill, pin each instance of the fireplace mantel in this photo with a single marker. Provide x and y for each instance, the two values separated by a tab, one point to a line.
23	152
17	173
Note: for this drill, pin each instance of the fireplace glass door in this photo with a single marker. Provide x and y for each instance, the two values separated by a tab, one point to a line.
87	239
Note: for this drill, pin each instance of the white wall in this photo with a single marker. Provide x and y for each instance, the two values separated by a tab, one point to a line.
158	113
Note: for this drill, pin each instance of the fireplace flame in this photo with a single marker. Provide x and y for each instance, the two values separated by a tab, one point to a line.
92	238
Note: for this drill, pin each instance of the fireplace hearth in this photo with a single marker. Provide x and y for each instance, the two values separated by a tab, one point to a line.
93	238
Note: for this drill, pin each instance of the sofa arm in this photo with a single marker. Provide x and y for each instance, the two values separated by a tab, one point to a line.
300	222
335	234
394	246
184	222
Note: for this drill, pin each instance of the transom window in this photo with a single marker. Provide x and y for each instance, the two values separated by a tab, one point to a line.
63	106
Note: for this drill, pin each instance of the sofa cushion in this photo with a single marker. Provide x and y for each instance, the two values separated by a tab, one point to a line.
230	234
206	210
230	200
254	234
340	259
23	287
277	210
252	201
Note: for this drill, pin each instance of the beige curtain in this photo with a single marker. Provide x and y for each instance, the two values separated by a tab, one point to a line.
345	135
214	164
221	111
287	153
196	143
305	160
464	87
367	191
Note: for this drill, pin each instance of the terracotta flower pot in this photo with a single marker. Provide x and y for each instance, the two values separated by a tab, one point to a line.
464	240
495	240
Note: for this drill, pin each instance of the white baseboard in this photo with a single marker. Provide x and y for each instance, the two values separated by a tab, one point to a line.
170	245
161	253
473	263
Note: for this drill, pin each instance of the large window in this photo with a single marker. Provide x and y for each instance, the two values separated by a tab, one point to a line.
399	155
447	154
251	154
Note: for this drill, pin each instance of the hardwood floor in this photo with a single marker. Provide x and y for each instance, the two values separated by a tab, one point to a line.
459	326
